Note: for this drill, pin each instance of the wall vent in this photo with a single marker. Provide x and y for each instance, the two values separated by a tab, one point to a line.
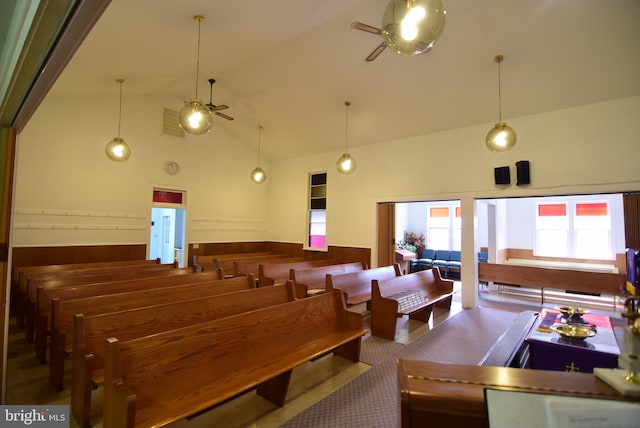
170	124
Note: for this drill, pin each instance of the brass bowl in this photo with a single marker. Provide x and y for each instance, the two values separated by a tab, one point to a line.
568	311
573	332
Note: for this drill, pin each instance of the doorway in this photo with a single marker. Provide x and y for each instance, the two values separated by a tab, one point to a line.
167	231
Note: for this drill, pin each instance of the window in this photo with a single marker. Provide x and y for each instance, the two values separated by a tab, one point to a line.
444	227
580	229
317	219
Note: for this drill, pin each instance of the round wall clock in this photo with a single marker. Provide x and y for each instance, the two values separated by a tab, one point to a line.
171	167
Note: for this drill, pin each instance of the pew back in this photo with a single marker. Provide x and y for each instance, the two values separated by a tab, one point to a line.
357	285
144	293
256	349
245	267
91	332
279	273
310	280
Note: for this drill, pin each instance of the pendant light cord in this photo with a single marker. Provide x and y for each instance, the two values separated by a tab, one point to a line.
198	18
259	140
499	94
120	109
346	126
499	59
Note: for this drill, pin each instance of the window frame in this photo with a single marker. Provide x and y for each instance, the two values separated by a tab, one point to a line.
316	198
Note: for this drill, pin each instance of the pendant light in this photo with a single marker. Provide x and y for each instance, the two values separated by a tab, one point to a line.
258	175
412	27
501	137
195	117
117	149
346	163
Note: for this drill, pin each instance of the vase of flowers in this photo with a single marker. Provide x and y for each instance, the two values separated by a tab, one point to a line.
414	242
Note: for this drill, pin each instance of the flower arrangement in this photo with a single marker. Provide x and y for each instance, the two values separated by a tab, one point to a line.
413	241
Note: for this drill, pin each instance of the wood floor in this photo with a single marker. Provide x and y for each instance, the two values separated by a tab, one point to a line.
27	380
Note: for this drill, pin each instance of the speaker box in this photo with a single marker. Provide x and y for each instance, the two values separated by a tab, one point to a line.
522	168
502	175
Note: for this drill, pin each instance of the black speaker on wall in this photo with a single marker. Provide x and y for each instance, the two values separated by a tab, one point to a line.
502	175
522	168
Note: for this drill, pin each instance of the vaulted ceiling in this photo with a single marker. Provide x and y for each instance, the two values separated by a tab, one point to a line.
290	65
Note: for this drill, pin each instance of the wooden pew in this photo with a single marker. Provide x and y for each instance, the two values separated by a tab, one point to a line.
115	284
158	379
227	264
413	294
79	276
210	262
37	304
242	268
279	273
143	293
558	279
312	280
356	286
91	332
21	274
85	276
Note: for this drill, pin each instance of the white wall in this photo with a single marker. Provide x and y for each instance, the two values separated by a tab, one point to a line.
67	192
588	149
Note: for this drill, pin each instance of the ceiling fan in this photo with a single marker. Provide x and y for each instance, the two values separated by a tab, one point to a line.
214	108
370	29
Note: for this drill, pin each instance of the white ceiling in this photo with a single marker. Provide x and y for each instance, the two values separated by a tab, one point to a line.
290	65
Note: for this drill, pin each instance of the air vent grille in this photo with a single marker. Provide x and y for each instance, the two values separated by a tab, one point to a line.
170	125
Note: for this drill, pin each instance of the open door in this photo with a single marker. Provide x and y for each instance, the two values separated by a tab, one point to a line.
386	233
167	238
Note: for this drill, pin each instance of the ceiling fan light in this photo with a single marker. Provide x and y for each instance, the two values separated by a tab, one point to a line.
412	27
258	175
195	118
501	138
346	164
117	150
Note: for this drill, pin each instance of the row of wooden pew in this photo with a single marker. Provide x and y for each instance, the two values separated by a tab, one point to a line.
147	336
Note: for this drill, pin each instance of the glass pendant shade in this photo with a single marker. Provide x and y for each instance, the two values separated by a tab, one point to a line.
117	150
258	175
412	27
346	164
501	138
195	118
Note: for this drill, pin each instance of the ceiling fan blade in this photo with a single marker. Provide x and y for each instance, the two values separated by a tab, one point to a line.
220	107
366	27
377	51
223	115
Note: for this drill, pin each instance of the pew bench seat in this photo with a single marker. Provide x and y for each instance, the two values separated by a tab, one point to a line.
158	379
412	295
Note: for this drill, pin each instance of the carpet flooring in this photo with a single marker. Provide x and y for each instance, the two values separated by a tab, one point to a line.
372	398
